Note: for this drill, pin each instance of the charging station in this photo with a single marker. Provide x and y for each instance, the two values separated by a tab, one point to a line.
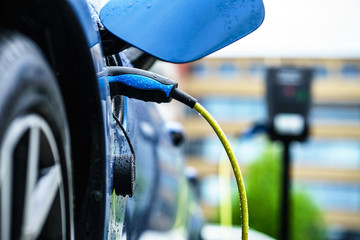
288	97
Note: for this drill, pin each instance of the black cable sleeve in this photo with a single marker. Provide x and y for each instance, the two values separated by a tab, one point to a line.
184	98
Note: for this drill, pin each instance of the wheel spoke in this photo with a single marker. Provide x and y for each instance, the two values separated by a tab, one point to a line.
5	193
41	201
11	138
32	171
33	162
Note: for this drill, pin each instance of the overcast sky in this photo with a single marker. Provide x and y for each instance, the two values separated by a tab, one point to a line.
303	28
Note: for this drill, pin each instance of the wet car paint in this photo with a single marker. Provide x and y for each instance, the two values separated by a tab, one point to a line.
163	205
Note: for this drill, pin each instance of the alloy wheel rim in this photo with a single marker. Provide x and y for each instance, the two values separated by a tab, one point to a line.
43	184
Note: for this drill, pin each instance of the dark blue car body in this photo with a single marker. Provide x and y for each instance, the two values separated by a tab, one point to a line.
72	37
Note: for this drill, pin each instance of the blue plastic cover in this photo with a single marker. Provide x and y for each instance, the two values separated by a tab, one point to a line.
181	30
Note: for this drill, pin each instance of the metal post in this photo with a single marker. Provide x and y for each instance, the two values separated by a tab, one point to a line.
285	196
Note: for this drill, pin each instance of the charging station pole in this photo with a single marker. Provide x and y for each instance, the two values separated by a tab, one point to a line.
285	193
288	101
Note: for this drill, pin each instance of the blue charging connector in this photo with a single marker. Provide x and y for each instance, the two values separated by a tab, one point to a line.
146	86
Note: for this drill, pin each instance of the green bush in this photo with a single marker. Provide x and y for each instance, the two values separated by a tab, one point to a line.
263	187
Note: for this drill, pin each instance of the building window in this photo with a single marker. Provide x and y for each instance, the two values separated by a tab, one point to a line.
200	70
320	72
257	70
350	70
336	153
228	70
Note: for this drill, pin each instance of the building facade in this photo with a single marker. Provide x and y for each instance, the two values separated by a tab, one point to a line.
327	165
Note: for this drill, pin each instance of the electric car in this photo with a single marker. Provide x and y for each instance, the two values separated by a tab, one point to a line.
76	159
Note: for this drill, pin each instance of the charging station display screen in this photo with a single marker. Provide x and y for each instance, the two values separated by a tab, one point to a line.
288	96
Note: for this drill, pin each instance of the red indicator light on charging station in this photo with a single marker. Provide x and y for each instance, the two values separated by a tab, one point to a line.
289	91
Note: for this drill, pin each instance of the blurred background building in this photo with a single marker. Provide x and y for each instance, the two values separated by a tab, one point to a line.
323	35
327	165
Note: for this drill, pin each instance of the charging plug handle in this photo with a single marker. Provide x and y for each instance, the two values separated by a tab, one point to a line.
140	84
146	86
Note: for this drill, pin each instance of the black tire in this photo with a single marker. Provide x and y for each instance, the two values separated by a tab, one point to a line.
35	167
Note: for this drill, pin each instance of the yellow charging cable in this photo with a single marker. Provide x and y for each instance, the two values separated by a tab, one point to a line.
147	86
225	192
239	180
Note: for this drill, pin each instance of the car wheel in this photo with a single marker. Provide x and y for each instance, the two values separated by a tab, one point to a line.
35	168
